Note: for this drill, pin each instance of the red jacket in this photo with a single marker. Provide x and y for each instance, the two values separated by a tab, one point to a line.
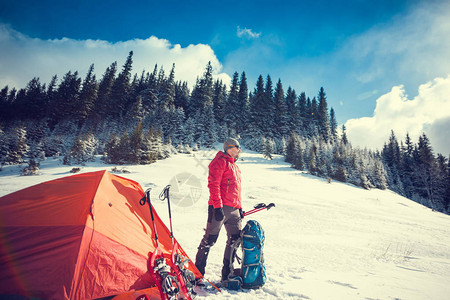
224	181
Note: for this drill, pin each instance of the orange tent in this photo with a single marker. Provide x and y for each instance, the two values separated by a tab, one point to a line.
79	237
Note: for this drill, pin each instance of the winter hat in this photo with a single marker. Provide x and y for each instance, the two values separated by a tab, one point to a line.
229	143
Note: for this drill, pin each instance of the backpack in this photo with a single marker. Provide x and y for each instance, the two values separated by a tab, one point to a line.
252	274
253	268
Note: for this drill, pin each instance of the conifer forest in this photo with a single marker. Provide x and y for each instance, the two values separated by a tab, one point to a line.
131	118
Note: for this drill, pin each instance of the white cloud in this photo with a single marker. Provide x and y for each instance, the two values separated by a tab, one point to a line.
247	33
428	112
412	46
23	57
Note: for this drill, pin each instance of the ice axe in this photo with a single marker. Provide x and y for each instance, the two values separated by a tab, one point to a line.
259	207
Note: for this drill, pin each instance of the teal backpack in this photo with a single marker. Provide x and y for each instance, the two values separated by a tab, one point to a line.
252	274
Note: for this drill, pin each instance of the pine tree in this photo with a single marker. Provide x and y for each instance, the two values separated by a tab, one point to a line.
102	107
88	96
148	156
340	173
219	99
124	150
447	189
135	144
313	160
121	89
201	107
391	158
323	167
333	125
311	124
299	162
243	105
136	112
364	181
257	120
268	146
4	103
66	98
4	148
313	109
268	109
177	122
18	147
203	92
232	104
51	94
209	129
407	166
167	94
426	171
322	116
281	118
440	185
37	133
112	151
303	113
344	138
34	105
189	132
291	148
61	139
391	152
181	95
280	146
32	168
83	150
292	112
138	86
379	174
156	143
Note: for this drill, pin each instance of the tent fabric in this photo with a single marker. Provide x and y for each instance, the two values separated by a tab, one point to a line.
79	237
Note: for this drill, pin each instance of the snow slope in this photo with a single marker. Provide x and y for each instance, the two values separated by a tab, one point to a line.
323	240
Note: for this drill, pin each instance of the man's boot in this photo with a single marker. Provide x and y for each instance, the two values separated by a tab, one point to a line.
203	251
225	269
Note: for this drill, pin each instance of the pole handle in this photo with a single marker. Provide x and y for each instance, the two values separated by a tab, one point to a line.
146	199
259	207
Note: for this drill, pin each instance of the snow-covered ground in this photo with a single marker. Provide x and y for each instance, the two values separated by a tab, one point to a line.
323	240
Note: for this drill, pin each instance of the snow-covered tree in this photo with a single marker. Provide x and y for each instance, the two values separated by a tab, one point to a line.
82	151
232	104
102	105
268	147
17	145
243	105
322	116
281	118
293	114
88	96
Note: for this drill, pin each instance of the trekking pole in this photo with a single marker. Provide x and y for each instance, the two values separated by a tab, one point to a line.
146	199
165	195
167	284
259	207
185	276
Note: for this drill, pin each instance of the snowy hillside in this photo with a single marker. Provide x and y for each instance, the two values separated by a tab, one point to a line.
323	240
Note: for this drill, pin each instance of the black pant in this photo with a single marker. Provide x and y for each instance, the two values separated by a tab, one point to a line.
233	225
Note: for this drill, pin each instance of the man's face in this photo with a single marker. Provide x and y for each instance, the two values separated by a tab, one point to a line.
234	152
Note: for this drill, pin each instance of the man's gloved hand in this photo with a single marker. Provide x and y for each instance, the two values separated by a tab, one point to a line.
241	213
218	213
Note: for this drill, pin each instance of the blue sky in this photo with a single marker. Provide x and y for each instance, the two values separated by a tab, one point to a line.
359	51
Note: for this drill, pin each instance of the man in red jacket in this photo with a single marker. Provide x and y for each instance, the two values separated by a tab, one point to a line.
224	205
